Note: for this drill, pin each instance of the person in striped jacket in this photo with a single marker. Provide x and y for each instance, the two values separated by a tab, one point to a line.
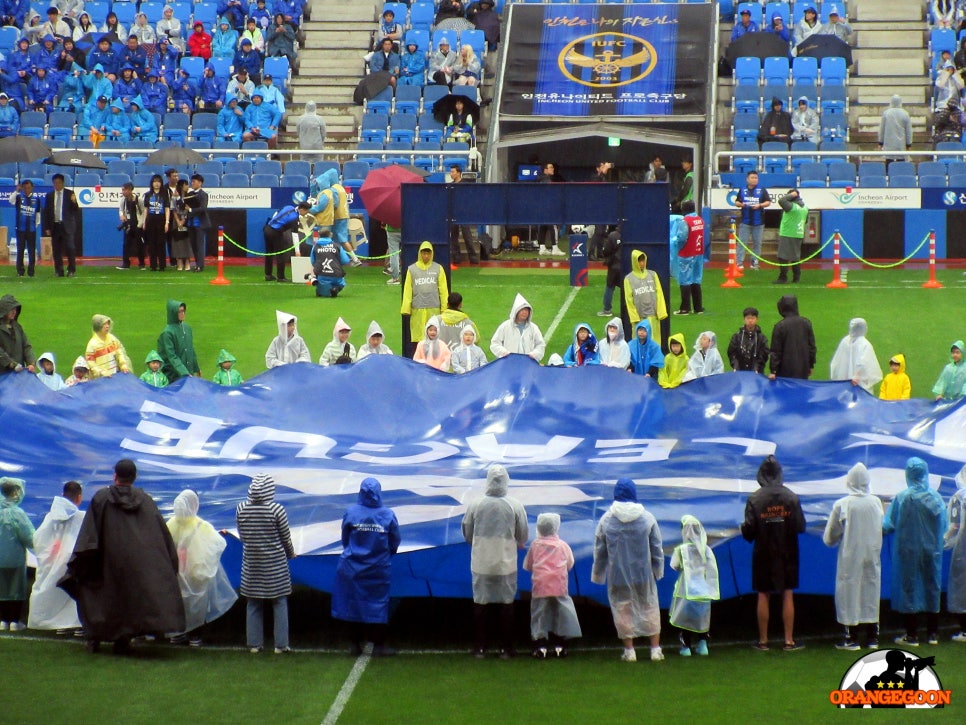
266	549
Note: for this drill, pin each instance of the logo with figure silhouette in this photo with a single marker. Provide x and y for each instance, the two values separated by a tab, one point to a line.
891	678
607	60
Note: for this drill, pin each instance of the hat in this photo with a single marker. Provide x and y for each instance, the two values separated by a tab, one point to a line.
198	24
4	95
745	11
152	73
388	11
246	41
102	98
243	69
267	76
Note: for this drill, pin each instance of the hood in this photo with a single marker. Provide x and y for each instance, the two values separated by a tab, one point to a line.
98	67
80	362
257	93
858	327
692	532
370	494
172	311
548	524
468	329
7	303
619	324
432	322
896	101
211	67
788	306
98	322
62	509
262	489
679	338
225	356
374	329
519	302
281	321
153	357
901	359
917	474
800	99
47	356
138	101
770	472
118	105
711	336
776	16
646	324
776	100
48	39
419	257
340	324
74	68
19	484
186	504
309	109
636	254
127	66
124	498
625	490
330	177
958	345
857	480
590	332
497	481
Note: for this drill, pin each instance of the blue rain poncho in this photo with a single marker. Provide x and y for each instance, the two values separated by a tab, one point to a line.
645	355
50	606
16	536
495	527
697	586
855	526
917	518
370	538
854	359
956	540
629	558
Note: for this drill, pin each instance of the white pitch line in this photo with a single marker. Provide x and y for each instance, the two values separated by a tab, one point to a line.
560	313
342	699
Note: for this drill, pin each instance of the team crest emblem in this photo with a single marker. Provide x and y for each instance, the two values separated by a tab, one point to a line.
607	60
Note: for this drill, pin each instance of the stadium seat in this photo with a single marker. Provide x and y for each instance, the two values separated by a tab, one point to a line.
121	167
776	70
68	178
213	181
471	92
957	181
33	123
747	99
142	180
774	90
834	125
754	9
902	168
98	11
182	11
903	181
476	40
9	168
370	152
300	181
408	99
154	10
841	175
782	8
194	65
874	181
354	171
834	98
125	12
871	168
955	167
32	169
747	71
745	127
402	127
264	180
834	71
940	146
9	35
237	181
60	125
222	66
380	103
804	89
742	164
298	167
942	39
176	127
397	148
431	94
209	168
419	36
805	68
279	69
931	168
116	179
267	167
204	126
775	164
784	180
243	166
421	16
399	10
86	178
374	127
932	181
797	161
320	167
812	175
451	36
206	12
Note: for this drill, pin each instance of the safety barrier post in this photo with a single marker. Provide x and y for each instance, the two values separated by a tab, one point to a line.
933	283
732	271
220	277
836	282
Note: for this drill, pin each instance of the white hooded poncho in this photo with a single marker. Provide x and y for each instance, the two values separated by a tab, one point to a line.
284	350
855	359
50	606
697	586
706	362
525	339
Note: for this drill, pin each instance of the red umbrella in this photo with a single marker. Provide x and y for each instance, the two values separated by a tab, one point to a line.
381	192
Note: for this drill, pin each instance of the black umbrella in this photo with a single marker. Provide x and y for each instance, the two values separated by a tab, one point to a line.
414	170
175	156
756	45
446	106
78	159
825	46
89	40
22	149
370	86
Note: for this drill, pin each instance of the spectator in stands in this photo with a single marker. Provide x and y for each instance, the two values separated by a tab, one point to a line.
212	90
261	120
111	25
441	63
184	92
13	12
41	91
127	86
9	117
944	13
31	30
106	58
234	11
260	14
752	200
199	42
485	18
118	123
945	56
388	28
281	40
808	25
93	120
241	88
254	34
248	57
895	129
271	94
291	10
165	61
143	31
777	27
651	175
224	41
836	25
70	54
170	27
55	25
949	83
412	65
459	127
467	69
948	125
48	54
83	27
20	63
154	93
449	10
98	84
231	121
776	125
386	59
744	25
311	130
143	126
72	92
134	55
805	124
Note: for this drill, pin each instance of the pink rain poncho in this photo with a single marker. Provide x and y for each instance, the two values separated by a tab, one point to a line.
550	560
697	586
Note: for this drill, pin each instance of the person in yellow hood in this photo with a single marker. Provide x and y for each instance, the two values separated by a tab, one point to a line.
105	354
644	295
425	292
896	385
675	363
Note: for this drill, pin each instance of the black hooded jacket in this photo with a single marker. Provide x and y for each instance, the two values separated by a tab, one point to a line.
792	342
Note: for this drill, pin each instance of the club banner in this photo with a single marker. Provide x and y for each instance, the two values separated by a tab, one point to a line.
608	60
564	434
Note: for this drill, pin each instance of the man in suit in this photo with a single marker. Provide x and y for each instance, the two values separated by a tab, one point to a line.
198	221
61	220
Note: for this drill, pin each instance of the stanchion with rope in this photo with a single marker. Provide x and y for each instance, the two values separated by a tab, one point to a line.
732	271
836	282
932	283
220	277
315	240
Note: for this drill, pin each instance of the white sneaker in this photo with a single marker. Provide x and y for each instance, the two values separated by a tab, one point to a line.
17	626
657	654
959	637
393	282
355	262
282	650
4	626
629	655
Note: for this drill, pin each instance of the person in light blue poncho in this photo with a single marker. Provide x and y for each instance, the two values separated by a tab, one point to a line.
646	356
16	536
917	519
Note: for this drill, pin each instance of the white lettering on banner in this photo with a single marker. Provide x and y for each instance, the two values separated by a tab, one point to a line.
436	452
753	446
241	445
629	450
191	440
816	199
488	448
104	197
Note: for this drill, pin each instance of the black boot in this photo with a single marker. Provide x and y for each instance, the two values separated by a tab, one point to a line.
696	296
782	272
796	272
685	301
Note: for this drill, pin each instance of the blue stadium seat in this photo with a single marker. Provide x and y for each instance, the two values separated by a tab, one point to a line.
903	181
431	94
804	89
204	126
125	12
471	92
419	36
116	179
902	168
834	98
267	167
812	175
264	180
298	167
782	8
776	70
142	180
213	181
932	181
370	152
805	68
87	178
194	65
784	180
121	167
745	127
451	36
955	168
176	127
834	125
243	166
380	103
9	168
942	39
32	169
68	178
931	168
60	125
238	181
222	67
743	164
774	90
33	123
298	180
98	11
747	99
374	127
320	167
957	181
834	71
278	68
354	171
940	146
397	148
841	175
402	127
874	181
775	164
206	12
255	146
732	179
475	39
871	168
209	168
9	35
154	11
747	71
408	99
753	8
399	10
182	11
421	15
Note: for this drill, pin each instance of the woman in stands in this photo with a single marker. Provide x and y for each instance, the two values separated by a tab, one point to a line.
280	40
808	25
84	26
466	72
111	25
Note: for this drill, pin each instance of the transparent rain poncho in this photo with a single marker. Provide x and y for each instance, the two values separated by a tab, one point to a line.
956	540
550	560
854	359
697	585
50	606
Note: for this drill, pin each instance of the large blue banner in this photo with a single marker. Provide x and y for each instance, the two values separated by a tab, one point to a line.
565	435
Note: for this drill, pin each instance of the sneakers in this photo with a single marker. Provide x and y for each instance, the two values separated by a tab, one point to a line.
761	646
269	277
907	641
959	637
560	651
685	651
255	650
605	313
356	262
629	655
4	626
931	638
178	639
754	266
393	282
539	653
702	648
283	650
479	653
657	654
873	644
847	644
17	626
682	312
195	642
793	646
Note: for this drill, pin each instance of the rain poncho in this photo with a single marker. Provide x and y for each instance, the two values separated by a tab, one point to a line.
284	350
80	374
176	346
495	526
54	381
205	589
855	526
311	129
793	351
613	350
896	386
646	356
629	558
854	359
697	586
895	127
953	377
956	540
370	538
467	357
369	348
512	337
773	521
266	542
644	294
50	607
226	377
424	293
550	559
105	354
157	379
16	536
433	352
15	348
705	362
917	519
675	366
582	353
335	349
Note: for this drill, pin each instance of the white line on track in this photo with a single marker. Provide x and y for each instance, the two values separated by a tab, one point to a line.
560	314
342	699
